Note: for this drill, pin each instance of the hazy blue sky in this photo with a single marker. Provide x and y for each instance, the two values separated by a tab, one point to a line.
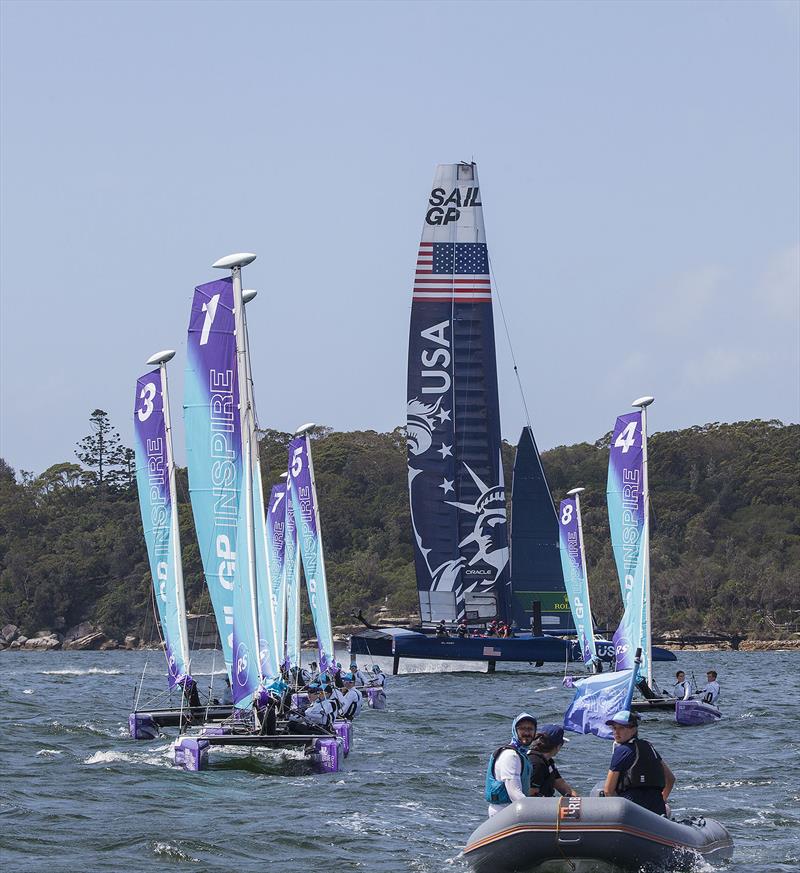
639	174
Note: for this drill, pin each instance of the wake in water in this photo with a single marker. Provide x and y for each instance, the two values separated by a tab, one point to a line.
91	671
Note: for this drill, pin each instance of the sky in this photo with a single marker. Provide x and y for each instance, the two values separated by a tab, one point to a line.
639	173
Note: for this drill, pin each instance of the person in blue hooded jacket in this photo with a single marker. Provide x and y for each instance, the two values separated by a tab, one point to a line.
508	773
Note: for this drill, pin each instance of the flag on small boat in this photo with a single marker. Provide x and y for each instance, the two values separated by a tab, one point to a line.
596	700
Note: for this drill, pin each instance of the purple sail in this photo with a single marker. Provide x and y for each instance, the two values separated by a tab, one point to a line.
214	446
306	516
627	508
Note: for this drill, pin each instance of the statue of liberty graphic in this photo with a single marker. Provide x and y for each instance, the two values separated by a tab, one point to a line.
488	540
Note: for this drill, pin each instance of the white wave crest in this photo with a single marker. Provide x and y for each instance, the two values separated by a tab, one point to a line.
91	671
27	690
108	757
168	851
47	753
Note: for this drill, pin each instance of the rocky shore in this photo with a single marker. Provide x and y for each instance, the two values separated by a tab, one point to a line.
202	632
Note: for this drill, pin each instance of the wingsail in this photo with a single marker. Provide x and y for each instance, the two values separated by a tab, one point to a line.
455	472
155	479
573	560
309	533
214	446
626	494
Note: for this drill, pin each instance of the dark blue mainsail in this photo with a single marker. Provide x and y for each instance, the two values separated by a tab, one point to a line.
536	572
455	473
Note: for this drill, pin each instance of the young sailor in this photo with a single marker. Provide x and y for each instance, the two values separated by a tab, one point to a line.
508	773
545	778
378	679
637	772
680	689
317	716
351	699
441	629
335	698
359	677
710	693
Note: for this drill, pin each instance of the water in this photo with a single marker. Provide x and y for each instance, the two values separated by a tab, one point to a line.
78	795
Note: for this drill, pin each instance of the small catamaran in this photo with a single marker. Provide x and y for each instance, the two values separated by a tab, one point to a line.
241	544
158	502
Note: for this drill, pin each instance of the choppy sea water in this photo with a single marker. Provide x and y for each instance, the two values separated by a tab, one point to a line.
78	795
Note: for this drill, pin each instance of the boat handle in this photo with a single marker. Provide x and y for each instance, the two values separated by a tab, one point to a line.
566	840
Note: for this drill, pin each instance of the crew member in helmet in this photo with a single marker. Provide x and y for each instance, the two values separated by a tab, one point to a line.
637	772
508	773
545	778
351	698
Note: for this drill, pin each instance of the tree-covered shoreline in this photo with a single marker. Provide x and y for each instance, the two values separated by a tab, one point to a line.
725	539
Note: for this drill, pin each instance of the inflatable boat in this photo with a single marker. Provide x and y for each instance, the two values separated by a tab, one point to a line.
548	834
696	712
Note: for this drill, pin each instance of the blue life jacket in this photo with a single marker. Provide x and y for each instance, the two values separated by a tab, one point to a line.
495	791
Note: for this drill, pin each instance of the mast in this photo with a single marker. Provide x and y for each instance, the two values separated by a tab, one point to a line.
235	263
161	359
642	403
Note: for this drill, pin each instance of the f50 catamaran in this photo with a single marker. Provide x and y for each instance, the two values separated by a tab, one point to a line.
456	483
466	569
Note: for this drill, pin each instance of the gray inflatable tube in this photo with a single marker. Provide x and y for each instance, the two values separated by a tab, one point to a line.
545	834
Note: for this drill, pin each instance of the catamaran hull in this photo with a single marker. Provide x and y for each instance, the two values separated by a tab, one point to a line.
593	833
405	643
146	725
694	712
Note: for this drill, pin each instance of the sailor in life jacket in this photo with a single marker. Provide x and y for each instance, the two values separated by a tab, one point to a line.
637	772
334	697
710	693
378	679
351	699
680	690
318	715
545	778
508	773
358	676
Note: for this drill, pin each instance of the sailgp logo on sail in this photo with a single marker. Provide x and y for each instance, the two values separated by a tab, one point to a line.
446	207
159	513
630	524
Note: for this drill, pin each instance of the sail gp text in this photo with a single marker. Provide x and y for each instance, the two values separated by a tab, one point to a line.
447	207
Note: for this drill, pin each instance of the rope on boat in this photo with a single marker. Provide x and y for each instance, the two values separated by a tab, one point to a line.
508	340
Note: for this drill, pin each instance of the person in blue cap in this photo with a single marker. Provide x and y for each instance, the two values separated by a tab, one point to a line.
637	772
508	773
545	778
351	699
